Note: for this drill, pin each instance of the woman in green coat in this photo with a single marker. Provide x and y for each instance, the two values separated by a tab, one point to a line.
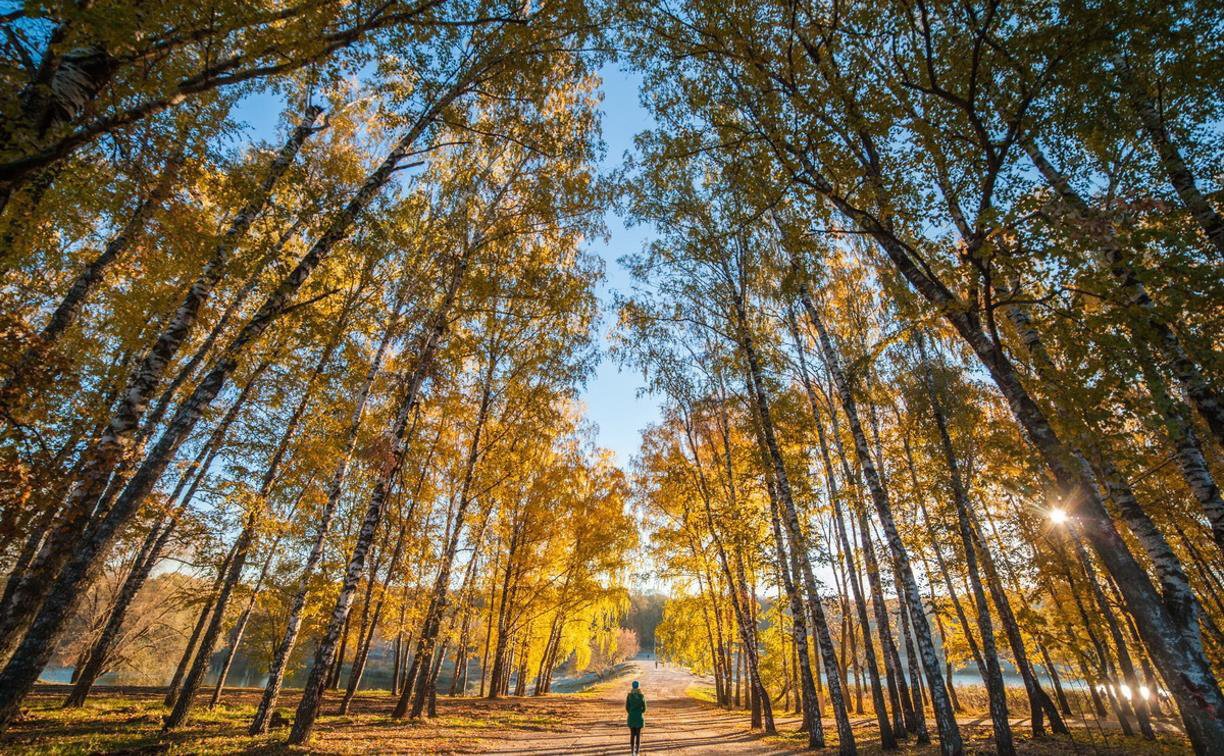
635	704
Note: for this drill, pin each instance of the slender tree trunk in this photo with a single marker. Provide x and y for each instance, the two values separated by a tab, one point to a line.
903	711
807	689
240	626
1184	440
88	280
484	664
363	649
883	631
105	456
1115	632
312	701
1171	161
195	675
1195	687
887	738
1102	654
764	419
333	672
335	487
994	676
917	698
945	718
172	691
1052	669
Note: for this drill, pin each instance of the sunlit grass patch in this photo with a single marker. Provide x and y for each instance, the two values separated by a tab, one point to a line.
701	692
980	740
612	678
130	721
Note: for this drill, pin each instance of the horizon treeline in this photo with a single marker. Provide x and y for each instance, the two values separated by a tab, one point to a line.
933	306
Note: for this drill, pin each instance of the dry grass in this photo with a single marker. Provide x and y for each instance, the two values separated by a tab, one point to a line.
1088	735
979	740
129	720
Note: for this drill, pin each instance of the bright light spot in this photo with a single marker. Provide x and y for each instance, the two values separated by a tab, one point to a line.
1126	691
1058	516
1143	691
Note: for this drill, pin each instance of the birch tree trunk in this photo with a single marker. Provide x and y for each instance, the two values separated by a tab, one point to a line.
960	497
1039	701
945	718
808	701
1189	452
312	693
86	282
1192	682
1115	632
1171	161
240	626
19	675
363	648
335	487
195	675
883	631
172	689
846	743
840	526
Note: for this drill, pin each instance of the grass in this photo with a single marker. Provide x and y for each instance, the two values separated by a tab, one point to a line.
129	720
701	692
980	740
1086	736
608	680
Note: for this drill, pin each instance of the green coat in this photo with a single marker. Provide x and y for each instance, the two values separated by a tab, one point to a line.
635	704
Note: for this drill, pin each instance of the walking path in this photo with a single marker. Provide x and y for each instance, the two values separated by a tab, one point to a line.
675	722
128	720
678	723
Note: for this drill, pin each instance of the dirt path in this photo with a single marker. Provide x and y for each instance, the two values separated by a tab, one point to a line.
679	723
675	722
128	720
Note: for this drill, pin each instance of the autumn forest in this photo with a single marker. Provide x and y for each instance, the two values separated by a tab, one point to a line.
299	438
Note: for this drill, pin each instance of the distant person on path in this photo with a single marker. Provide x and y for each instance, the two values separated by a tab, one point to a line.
635	704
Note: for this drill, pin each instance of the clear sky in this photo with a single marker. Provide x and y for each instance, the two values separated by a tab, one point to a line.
611	395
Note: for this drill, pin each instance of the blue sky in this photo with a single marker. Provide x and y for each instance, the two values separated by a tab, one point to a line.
611	394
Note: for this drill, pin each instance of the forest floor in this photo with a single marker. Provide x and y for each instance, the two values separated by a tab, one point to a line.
127	720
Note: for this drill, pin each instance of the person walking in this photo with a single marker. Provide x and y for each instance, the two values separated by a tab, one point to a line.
635	704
